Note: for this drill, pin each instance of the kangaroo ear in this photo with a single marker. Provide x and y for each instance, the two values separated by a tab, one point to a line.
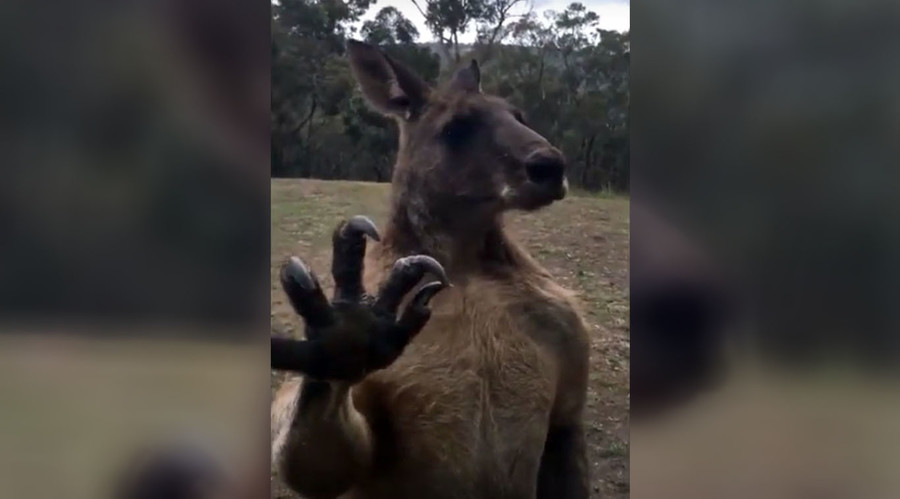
387	85
467	79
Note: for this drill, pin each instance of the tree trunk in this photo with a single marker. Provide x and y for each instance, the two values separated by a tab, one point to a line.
541	77
589	149
309	133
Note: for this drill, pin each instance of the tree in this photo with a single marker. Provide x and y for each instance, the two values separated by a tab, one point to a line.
569	77
572	80
320	127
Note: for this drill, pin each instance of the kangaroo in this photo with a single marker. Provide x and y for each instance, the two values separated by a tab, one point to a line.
469	385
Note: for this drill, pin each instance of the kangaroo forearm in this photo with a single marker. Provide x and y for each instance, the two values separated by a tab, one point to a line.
564	470
327	447
322	445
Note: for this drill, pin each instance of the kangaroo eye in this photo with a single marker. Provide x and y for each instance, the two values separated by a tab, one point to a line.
459	130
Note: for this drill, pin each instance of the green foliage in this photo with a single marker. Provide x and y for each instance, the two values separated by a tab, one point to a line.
570	79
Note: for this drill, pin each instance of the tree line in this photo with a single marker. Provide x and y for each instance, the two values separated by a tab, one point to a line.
568	76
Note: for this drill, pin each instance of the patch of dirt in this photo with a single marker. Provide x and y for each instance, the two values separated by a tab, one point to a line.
582	241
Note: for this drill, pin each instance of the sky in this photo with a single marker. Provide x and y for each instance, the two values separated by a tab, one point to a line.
615	15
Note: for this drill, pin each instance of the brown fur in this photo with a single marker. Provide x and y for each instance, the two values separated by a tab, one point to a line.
487	400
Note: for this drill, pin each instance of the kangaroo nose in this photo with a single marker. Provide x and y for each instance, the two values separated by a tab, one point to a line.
545	166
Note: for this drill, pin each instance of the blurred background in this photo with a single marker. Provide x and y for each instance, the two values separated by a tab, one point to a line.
771	126
132	169
133	235
767	130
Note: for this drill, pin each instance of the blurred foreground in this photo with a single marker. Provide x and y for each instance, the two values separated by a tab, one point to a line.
828	434
769	131
75	410
133	210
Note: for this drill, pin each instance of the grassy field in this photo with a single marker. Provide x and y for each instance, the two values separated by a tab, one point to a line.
582	241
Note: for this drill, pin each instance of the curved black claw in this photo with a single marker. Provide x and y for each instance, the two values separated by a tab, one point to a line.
305	293
428	264
416	314
426	293
349	251
361	224
407	272
297	273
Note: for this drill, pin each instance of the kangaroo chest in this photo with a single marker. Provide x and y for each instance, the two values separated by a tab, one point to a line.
469	401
